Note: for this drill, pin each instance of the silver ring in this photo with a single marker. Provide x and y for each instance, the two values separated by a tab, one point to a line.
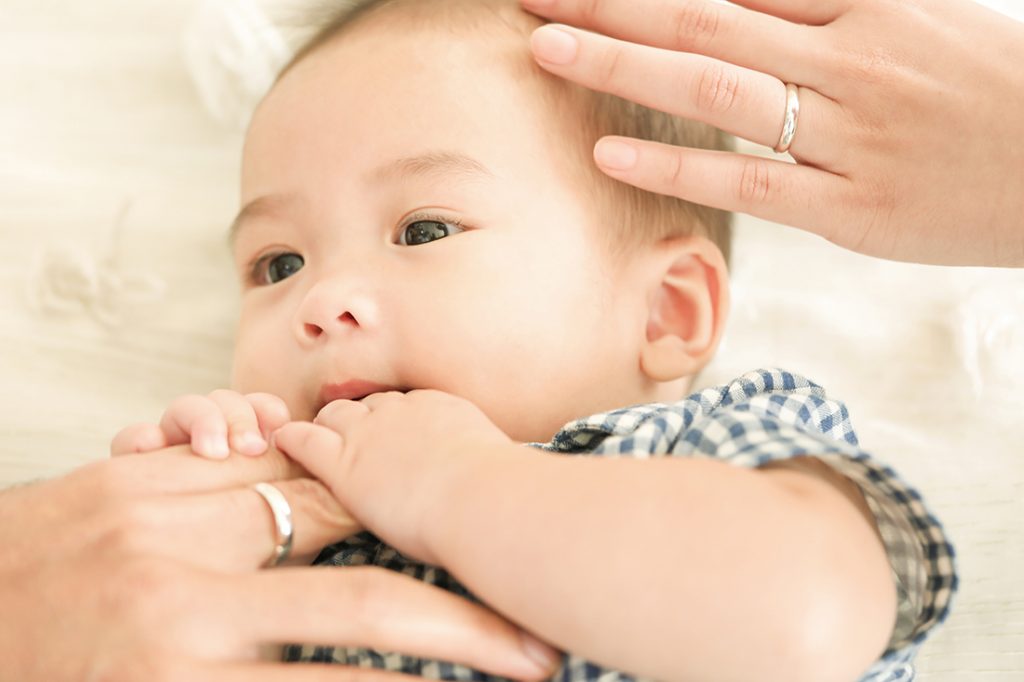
282	512
790	120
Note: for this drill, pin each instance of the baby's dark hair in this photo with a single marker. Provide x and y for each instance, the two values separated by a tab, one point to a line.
634	217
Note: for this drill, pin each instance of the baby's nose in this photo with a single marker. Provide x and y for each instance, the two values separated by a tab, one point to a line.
333	310
313	330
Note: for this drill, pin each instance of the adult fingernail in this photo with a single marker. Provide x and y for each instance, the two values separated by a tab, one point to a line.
615	155
538	4
538	652
554	45
250	443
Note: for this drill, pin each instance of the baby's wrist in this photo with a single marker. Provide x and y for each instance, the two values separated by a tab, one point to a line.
451	519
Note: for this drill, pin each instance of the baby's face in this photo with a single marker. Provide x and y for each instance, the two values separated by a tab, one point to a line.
411	225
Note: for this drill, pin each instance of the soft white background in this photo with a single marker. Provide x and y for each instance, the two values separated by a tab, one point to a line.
113	176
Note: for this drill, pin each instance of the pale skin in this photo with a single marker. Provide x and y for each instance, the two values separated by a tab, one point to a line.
147	568
781	563
911	113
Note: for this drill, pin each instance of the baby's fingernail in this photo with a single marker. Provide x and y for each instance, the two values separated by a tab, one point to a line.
554	45
250	443
539	652
215	446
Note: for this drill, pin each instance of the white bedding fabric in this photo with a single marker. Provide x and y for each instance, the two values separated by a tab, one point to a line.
114	177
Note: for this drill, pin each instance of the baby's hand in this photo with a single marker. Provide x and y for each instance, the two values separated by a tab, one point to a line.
214	425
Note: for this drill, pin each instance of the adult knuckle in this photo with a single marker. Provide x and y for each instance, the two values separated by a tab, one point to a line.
129	530
875	202
695	24
717	89
878	193
674	170
591	11
859	63
611	66
757	183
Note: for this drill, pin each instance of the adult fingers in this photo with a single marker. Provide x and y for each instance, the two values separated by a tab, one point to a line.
230	530
773	190
137	438
791	51
744	102
177	471
284	672
382	610
814	12
318	520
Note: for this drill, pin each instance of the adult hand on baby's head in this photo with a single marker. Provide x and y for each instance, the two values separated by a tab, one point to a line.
391	458
909	126
144	568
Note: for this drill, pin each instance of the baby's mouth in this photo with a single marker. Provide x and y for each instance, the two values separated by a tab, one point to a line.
353	389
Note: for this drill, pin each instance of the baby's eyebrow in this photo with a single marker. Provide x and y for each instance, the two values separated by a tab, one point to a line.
261	206
443	164
436	165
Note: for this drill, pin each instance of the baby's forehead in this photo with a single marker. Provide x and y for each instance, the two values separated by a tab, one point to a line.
479	17
475	74
486	27
483	46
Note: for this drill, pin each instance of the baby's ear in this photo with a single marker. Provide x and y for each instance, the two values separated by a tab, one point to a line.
687	305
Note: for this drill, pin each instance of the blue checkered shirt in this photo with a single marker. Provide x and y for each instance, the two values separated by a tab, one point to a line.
764	416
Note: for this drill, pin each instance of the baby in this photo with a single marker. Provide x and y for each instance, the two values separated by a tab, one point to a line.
496	343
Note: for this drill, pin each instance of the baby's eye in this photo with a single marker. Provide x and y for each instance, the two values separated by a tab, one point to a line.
424	231
277	267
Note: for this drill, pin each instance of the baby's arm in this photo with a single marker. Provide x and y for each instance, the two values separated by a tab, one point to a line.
214	425
676	568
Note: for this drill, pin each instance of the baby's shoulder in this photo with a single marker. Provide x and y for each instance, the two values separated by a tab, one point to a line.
763	406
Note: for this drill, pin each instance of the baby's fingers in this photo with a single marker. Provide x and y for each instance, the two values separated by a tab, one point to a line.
271	412
241	418
198	420
318	449
138	438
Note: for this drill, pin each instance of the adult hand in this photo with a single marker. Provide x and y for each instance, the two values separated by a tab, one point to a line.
136	568
911	117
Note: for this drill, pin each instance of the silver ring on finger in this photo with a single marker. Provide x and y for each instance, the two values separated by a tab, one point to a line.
284	531
790	119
